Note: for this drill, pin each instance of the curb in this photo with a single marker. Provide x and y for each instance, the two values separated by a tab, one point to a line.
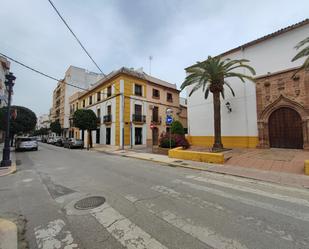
218	172
8	234
11	171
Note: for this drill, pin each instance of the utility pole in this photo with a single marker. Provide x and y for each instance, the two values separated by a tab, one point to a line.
150	59
9	83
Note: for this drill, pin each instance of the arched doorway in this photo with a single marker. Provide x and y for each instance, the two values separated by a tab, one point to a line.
285	129
155	136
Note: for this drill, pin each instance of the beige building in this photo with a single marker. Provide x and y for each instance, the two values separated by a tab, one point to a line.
75	76
131	107
4	69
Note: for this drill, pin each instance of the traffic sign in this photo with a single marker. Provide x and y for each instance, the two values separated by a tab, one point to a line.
169	119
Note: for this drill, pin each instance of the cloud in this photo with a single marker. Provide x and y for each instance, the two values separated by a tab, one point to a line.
119	33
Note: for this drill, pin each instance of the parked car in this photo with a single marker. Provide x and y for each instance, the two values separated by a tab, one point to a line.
26	143
73	143
50	140
59	141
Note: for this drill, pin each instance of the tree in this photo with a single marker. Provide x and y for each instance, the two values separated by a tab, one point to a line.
23	120
211	75
56	127
85	119
177	128
303	53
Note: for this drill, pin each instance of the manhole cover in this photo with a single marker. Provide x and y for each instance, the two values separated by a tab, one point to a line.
89	202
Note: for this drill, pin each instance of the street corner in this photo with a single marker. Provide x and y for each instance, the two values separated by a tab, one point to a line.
8	234
8	170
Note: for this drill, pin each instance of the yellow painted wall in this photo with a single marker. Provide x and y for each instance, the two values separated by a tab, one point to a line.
206	157
228	141
117	124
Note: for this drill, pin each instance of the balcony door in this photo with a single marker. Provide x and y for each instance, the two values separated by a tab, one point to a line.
138	110
138	135
155	114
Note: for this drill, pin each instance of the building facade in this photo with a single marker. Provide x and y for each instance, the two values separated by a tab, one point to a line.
131	107
61	108
43	121
270	112
4	69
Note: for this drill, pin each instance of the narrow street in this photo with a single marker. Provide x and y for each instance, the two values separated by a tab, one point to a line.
147	205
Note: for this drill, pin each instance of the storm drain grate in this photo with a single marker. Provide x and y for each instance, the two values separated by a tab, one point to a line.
89	202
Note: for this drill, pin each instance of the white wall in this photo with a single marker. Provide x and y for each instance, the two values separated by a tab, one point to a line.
78	77
272	55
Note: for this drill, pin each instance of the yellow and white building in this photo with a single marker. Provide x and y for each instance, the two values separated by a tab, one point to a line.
131	107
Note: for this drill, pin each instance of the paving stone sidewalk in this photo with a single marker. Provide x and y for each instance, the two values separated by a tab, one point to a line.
282	178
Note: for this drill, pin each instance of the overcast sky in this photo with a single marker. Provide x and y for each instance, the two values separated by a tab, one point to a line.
117	33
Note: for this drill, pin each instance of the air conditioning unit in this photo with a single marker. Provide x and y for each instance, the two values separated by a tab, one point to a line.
151	107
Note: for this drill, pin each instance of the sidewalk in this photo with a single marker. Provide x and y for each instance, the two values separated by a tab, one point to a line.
256	174
8	170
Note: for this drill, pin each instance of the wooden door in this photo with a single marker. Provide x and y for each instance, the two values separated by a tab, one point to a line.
155	136
285	129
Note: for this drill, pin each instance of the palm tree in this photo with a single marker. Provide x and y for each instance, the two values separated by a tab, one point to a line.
303	53
211	75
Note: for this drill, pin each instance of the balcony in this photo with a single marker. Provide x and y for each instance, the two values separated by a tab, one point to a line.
156	120
137	118
107	119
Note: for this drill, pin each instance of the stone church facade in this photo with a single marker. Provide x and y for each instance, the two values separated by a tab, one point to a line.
283	109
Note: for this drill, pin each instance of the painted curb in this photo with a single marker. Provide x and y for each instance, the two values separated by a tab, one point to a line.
12	171
8	234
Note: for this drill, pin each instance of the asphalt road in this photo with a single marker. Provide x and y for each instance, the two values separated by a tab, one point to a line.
147	205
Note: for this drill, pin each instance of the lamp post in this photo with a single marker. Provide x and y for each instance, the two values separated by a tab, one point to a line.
9	83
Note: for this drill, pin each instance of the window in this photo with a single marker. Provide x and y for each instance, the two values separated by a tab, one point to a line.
138	90
99	113
77	106
155	114
90	100
109	91
98	96
155	93
109	110
138	110
84	103
73	108
169	97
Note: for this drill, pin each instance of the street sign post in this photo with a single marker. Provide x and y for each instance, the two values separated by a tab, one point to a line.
169	121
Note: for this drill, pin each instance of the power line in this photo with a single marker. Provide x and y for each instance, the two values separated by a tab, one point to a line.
41	73
79	42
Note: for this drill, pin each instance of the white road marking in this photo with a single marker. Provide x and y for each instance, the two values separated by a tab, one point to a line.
220	177
127	233
188	198
202	204
253	191
53	236
273	208
204	234
27	180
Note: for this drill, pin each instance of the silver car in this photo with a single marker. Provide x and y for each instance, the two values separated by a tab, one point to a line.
26	143
73	143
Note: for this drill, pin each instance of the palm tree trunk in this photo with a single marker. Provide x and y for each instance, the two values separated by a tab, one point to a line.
217	121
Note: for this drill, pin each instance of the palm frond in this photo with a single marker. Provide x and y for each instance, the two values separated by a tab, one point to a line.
302	53
242	77
196	87
206	93
229	86
222	94
251	69
302	43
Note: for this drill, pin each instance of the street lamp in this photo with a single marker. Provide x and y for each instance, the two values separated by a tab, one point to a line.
9	83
